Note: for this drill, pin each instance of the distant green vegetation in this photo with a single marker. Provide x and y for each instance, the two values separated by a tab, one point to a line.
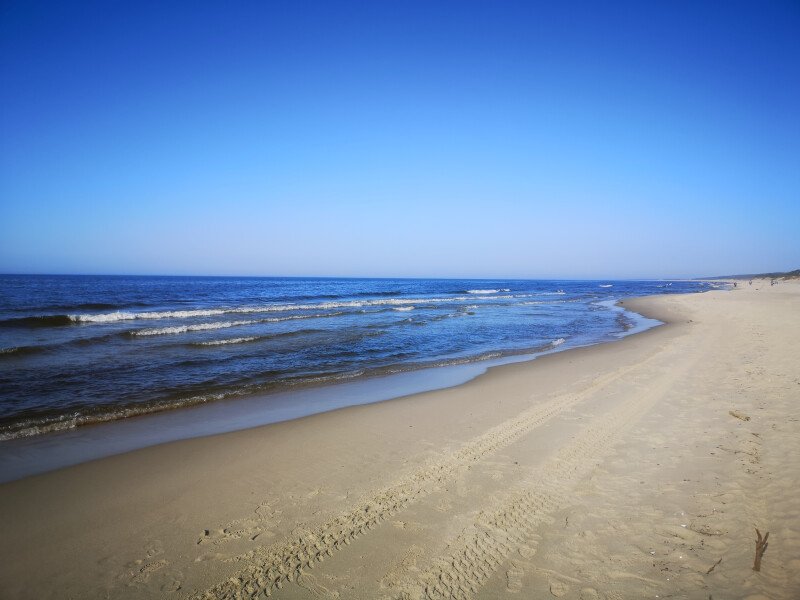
781	275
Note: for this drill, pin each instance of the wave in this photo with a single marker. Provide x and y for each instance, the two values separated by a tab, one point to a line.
43	424
20	351
239	340
43	348
287	308
187	328
403	308
37	321
49	424
224	324
117	316
256	338
485	291
606	285
441	317
38	425
304	380
170	314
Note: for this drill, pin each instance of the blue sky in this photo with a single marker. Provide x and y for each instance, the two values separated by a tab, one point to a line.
397	138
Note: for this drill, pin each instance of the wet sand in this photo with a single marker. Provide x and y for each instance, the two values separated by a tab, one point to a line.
639	468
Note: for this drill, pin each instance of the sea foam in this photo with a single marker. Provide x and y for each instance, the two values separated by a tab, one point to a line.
239	340
225	324
213	312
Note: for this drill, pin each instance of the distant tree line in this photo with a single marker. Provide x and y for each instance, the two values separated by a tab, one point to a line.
780	275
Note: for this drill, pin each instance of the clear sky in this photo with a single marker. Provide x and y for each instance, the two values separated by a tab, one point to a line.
399	138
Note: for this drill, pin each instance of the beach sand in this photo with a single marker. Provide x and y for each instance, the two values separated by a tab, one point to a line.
639	468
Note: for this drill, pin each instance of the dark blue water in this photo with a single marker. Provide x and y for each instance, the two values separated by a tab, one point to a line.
86	349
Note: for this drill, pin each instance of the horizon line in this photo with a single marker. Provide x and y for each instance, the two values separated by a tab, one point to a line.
366	277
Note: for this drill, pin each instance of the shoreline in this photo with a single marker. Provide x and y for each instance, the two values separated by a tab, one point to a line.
26	456
171	349
616	470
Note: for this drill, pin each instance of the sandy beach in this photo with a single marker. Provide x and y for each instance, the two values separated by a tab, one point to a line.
639	468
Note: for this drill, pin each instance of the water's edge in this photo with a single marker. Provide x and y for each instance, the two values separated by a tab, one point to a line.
25	457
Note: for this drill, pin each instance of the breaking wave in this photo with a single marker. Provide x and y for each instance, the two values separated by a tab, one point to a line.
239	340
118	316
225	324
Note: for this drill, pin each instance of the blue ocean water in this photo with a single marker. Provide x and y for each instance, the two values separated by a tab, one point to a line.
76	350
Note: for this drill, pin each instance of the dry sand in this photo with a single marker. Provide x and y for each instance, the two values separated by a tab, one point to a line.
634	469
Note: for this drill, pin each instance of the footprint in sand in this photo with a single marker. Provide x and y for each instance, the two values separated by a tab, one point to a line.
443	505
173	582
139	570
154	548
145	571
514	577
253	528
496	475
211	556
558	588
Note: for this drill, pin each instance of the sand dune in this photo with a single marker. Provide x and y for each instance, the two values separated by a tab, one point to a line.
635	469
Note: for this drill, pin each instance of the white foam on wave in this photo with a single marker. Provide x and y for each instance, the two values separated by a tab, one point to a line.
606	285
131	316
488	291
403	308
557	342
213	312
239	340
196	327
389	302
225	324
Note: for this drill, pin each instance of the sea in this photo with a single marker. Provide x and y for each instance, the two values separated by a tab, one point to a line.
82	350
